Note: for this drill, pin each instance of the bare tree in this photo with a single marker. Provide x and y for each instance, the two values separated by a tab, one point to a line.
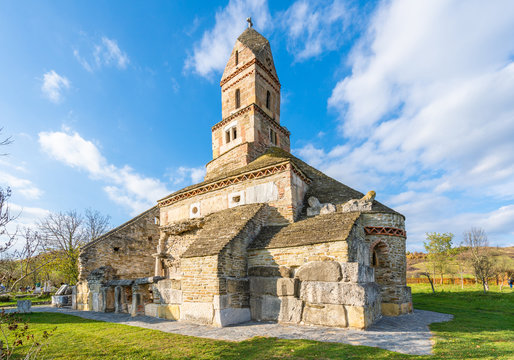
480	260
95	223
6	217
64	233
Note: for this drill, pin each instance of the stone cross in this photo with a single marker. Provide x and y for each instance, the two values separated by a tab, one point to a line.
249	21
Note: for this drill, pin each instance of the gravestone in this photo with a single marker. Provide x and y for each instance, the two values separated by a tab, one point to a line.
24	306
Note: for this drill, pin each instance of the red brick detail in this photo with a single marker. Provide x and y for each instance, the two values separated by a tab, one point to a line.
379	243
234	180
381	230
246	66
244	111
238	80
269	82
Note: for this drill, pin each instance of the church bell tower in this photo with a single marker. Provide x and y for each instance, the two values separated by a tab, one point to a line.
250	106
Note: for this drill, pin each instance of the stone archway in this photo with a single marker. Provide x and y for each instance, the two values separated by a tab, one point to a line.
380	262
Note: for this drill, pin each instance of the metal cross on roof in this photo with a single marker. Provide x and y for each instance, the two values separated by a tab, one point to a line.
249	21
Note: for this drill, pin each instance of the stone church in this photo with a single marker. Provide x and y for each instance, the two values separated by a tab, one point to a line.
264	237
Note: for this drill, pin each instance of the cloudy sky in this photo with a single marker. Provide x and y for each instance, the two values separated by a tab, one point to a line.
110	104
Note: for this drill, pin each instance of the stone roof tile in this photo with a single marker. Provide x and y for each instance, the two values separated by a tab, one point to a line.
314	230
220	228
323	187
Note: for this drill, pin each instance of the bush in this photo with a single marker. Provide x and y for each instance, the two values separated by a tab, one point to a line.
5	298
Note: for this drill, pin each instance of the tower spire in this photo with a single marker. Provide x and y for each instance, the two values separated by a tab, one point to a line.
250	106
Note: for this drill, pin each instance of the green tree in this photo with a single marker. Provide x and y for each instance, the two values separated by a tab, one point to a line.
439	249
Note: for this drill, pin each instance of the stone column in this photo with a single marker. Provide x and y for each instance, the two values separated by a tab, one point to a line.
160	255
108	304
118	299
138	306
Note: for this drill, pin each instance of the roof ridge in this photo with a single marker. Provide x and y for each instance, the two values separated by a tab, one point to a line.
117	228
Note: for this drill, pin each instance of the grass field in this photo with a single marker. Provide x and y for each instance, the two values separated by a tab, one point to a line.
35	300
483	328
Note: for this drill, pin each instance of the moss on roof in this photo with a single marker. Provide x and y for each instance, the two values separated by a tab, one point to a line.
323	187
314	230
220	228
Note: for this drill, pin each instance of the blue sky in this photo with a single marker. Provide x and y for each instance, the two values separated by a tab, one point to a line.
110	103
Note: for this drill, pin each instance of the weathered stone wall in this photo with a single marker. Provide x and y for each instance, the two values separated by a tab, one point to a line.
391	269
295	257
277	190
128	248
324	293
253	139
253	83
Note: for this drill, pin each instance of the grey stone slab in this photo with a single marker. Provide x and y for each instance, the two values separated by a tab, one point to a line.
319	292
319	271
263	285
407	334
148	280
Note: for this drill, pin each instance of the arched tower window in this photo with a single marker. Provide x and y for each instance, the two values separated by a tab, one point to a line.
238	98
237	57
374	258
268	99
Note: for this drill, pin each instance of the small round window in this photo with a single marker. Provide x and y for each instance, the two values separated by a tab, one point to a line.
194	210
236	199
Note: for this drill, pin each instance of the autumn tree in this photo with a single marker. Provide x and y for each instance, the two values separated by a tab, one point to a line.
439	249
479	256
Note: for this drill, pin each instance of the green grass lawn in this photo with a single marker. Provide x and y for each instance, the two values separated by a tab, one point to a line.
483	328
35	300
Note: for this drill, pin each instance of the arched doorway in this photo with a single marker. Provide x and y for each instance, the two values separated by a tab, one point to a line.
379	261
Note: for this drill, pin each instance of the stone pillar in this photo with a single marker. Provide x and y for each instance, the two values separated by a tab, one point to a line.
73	297
119	297
138	306
160	255
108	304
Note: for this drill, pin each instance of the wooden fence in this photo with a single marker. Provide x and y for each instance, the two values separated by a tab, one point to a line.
448	281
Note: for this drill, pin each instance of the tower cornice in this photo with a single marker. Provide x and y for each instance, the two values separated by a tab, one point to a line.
246	66
246	109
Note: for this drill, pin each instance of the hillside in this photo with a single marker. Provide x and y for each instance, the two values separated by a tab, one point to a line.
417	262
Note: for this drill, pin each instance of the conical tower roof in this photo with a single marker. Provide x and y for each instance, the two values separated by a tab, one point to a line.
260	48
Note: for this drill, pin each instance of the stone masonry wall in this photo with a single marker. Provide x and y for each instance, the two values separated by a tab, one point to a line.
276	190
390	272
294	257
252	83
128	248
253	139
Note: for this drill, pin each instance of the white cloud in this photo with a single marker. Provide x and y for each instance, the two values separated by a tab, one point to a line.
195	175
315	26
104	53
427	111
53	86
126	186
211	53
21	186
